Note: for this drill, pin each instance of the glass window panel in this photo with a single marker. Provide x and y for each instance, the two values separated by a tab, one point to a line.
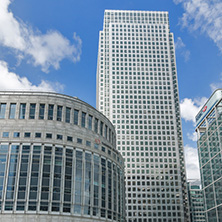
59	113
12	111
90	122
96	125
68	113
41	111
16	134
5	134
50	111
83	124
22	111
2	110
32	111
101	128
76	117
78	181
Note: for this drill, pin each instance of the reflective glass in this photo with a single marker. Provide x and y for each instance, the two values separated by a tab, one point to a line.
22	111
59	113
76	117
50	112
68	113
41	111
12	110
32	111
2	110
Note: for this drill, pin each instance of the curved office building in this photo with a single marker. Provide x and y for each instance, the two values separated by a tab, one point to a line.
58	160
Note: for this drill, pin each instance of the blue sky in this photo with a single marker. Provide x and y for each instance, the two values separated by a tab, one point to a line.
52	45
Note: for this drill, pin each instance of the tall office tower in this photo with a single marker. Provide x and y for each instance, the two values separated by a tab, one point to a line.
209	129
195	194
137	90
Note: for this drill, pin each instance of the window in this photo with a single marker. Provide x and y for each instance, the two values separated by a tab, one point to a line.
12	111
76	117
59	113
32	111
96	125
90	122
27	135
41	111
22	111
103	149
59	137
83	124
5	134
79	140
101	128
50	111
2	110
69	138
16	134
38	135
68	112
88	143
48	136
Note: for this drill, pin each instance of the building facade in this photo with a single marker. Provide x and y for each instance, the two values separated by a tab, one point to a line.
58	160
196	202
209	130
137	90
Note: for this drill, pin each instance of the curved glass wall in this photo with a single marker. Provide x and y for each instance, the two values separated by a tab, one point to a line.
60	180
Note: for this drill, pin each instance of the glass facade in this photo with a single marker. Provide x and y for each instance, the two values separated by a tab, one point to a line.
40	171
210	158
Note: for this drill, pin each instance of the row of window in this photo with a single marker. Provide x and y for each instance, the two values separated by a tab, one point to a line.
74	116
56	179
68	139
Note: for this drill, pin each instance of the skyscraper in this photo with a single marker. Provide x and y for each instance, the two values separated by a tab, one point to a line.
196	202
137	90
209	129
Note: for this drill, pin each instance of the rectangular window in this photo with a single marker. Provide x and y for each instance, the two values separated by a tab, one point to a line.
69	138
101	128
41	111
76	117
2	110
16	134
22	111
12	111
59	113
96	125
83	124
90	122
38	135
5	134
48	136
68	112
106	131
27	134
32	111
79	140
59	137
88	143
50	112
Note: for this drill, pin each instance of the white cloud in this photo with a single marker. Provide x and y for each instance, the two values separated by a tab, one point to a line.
12	81
179	43
192	162
181	49
190	108
43	50
216	85
205	16
192	136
